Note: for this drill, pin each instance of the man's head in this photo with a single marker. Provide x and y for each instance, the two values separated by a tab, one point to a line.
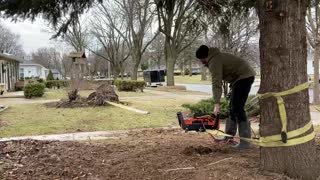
202	54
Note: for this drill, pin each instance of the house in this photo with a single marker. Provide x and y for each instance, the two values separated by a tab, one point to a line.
9	71
29	69
56	74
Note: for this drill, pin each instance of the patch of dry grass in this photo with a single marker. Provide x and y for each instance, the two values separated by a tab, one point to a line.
35	119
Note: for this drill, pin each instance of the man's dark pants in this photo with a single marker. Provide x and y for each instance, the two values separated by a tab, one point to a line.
239	95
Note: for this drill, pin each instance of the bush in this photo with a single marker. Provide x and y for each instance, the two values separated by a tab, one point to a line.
40	80
34	90
206	106
50	76
127	85
186	72
56	84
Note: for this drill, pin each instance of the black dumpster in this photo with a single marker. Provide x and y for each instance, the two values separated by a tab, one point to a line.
154	77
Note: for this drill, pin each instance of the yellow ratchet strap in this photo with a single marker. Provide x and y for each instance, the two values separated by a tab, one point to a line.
285	138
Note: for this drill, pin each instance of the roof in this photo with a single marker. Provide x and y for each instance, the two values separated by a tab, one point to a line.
54	71
30	63
9	57
81	54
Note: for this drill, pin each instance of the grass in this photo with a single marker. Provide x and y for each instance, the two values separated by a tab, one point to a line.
195	79
20	120
62	93
175	91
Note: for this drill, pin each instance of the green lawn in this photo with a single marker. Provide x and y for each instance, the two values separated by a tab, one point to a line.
195	79
175	91
35	119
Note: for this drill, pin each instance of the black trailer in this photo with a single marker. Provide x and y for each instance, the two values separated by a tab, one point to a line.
154	77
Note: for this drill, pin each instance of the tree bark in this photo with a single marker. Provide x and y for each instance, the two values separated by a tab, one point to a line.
170	71
135	72
190	67
116	71
225	88
316	99
171	57
136	59
283	54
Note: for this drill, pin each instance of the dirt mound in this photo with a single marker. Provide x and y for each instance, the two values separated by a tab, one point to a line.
151	155
103	93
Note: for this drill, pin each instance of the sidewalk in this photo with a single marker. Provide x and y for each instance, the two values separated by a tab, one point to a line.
98	135
18	94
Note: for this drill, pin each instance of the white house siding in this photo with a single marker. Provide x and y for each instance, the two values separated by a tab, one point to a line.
33	71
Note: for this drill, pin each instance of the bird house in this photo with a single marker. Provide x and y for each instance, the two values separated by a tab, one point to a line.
79	61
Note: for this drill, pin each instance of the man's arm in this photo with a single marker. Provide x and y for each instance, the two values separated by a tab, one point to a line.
216	76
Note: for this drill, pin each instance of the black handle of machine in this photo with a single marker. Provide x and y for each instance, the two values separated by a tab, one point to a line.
181	120
216	125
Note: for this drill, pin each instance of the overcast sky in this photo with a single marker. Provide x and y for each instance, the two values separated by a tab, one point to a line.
33	35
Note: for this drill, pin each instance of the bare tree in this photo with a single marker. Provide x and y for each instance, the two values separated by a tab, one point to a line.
113	48
186	59
178	21
10	42
65	66
46	57
313	36
156	51
139	18
76	36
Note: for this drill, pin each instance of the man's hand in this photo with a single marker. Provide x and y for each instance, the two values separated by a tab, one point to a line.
216	109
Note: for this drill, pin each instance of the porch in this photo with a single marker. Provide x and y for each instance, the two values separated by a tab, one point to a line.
9	72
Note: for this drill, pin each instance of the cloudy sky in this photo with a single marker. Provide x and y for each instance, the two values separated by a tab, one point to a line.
33	35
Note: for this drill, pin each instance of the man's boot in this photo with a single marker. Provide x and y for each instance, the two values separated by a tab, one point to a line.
245	132
231	129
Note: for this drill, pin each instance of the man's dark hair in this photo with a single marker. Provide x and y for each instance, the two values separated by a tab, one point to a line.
202	52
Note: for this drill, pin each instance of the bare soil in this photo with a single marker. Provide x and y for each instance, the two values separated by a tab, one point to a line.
148	154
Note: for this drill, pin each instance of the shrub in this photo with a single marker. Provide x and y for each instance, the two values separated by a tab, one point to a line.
127	85
34	90
186	72
56	84
50	76
40	80
206	106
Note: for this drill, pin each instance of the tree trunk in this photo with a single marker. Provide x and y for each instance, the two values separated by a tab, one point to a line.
182	67
316	99
204	76
159	64
190	67
116	71
135	72
171	57
136	59
225	88
170	71
283	54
